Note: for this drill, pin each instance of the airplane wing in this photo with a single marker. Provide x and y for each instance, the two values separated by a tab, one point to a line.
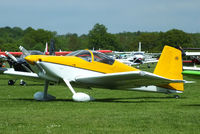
150	61
130	79
134	63
191	68
18	74
192	53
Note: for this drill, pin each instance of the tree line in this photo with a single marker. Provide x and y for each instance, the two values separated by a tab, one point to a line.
97	38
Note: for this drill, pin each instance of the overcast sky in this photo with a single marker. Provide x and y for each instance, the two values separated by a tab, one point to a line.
79	16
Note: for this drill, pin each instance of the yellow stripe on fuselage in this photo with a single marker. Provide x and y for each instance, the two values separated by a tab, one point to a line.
80	63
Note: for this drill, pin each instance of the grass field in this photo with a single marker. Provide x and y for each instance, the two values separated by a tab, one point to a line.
123	112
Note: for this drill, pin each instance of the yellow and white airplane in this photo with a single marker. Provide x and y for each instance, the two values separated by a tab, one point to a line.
94	69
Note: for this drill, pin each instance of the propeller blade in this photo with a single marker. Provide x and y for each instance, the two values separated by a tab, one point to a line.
24	51
11	56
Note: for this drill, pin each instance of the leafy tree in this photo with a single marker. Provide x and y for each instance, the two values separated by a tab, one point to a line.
17	33
33	37
195	40
61	42
149	41
9	47
2	41
38	46
84	41
175	38
100	39
128	41
73	42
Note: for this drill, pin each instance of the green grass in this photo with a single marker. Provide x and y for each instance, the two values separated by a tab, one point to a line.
123	112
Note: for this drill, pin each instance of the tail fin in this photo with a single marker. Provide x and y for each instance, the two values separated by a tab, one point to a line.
170	66
46	50
52	47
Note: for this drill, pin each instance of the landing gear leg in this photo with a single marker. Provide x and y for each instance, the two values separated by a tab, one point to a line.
148	66
43	96
81	97
176	96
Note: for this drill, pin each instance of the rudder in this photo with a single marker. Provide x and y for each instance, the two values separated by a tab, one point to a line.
170	66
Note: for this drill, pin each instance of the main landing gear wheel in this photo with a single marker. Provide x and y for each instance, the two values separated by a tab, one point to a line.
43	96
40	96
81	97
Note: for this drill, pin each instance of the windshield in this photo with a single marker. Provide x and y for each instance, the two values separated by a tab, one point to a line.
138	53
100	57
32	52
83	54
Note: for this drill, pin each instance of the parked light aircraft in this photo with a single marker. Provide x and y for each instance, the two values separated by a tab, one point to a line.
136	57
195	59
192	71
94	69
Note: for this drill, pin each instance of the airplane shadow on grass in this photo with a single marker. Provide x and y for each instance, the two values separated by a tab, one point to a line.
109	100
133	100
191	105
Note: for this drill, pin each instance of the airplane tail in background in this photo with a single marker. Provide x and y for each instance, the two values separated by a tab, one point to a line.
139	47
52	47
170	66
46	48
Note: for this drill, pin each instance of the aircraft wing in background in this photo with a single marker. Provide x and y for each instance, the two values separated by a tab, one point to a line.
192	53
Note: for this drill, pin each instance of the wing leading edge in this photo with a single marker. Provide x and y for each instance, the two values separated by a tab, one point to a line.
18	74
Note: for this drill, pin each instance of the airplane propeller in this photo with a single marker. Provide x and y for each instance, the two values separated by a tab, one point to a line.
18	64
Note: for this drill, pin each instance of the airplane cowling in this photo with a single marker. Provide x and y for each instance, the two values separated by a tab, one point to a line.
81	97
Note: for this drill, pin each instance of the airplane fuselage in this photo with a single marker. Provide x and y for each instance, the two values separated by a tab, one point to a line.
71	66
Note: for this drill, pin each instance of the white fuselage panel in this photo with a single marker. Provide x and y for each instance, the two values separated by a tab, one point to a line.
66	72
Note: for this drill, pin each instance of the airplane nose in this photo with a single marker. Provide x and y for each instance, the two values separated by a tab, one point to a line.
31	59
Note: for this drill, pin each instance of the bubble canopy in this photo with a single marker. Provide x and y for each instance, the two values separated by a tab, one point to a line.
91	56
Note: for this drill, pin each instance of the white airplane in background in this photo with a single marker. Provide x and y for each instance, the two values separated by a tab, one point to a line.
94	69
195	57
137	57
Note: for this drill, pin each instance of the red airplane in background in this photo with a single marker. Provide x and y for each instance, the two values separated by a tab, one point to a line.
17	54
17	61
67	52
46	52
